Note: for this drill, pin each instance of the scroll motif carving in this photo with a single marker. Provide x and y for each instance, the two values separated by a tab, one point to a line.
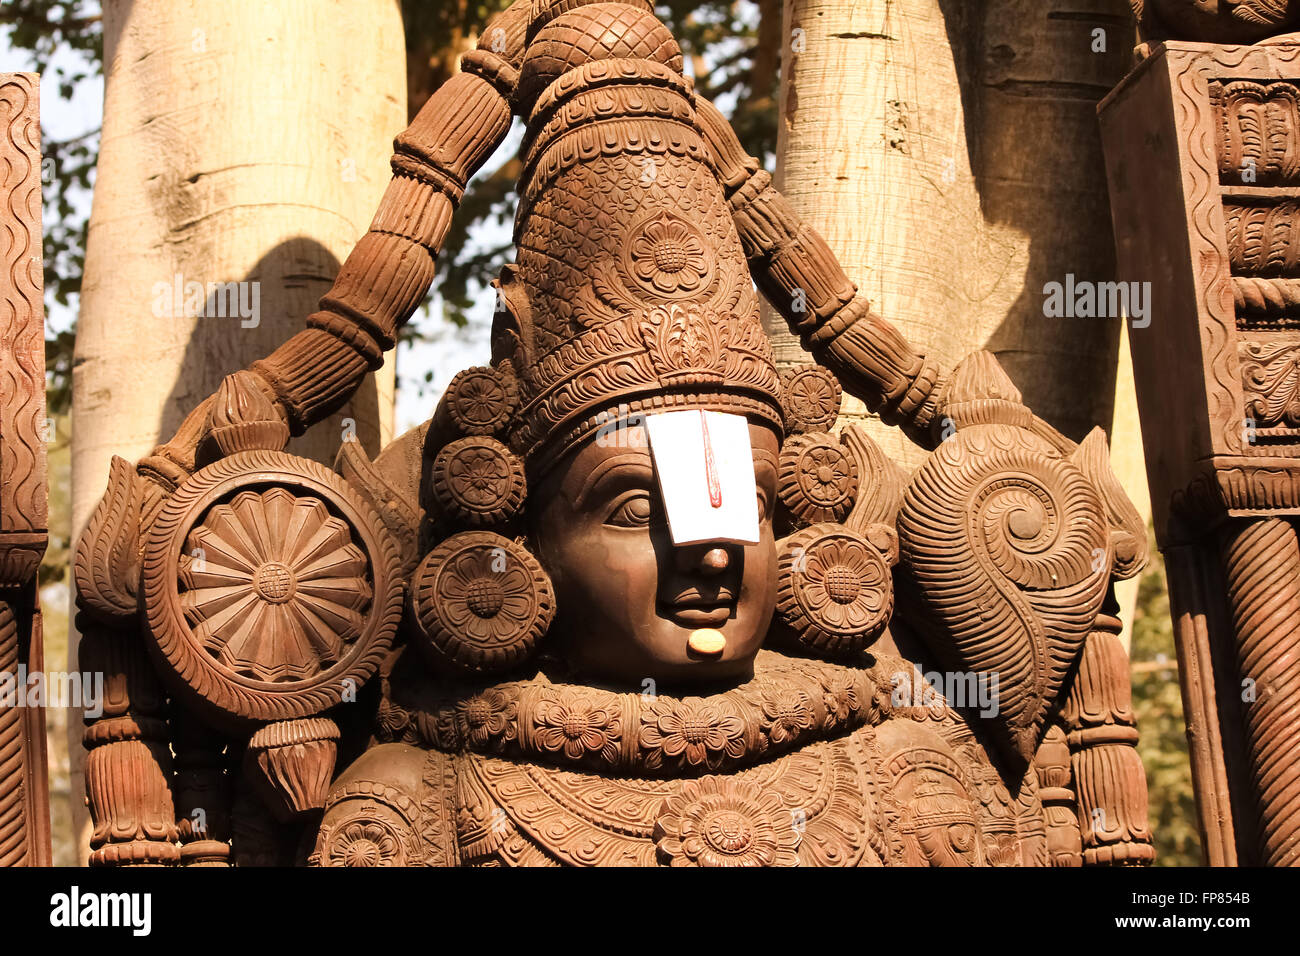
24	794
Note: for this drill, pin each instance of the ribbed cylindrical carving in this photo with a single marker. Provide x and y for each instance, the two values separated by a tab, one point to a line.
1261	561
13	796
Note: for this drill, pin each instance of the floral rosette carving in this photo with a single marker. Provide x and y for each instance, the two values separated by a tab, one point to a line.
488	719
478	481
482	603
834	589
363	843
694	732
810	396
480	400
817	478
273	585
667	256
577	725
377	828
787	715
722	821
270	587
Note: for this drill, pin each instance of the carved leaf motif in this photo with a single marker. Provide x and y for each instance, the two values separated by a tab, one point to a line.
682	341
106	569
1270	378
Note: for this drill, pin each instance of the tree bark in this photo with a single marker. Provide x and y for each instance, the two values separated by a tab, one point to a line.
243	142
948	151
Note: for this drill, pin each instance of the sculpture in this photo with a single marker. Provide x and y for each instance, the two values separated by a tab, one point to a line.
507	640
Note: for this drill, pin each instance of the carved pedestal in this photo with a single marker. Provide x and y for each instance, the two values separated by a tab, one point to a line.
1203	154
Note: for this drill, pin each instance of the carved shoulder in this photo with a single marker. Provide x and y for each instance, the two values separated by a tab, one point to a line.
393	807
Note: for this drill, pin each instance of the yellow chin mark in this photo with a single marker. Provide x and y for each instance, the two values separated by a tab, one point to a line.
706	641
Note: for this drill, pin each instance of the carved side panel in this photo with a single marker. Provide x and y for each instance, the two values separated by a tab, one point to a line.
24	811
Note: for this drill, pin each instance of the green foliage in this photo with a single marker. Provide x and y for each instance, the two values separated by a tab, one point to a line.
1158	704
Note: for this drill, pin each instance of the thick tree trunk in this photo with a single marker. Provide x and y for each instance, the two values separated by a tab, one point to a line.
948	150
243	142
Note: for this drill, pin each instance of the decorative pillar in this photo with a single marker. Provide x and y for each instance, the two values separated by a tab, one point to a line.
1202	147
24	790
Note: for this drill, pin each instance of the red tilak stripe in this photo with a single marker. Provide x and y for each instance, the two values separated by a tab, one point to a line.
710	466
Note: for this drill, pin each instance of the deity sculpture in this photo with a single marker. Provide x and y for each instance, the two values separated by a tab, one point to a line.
627	597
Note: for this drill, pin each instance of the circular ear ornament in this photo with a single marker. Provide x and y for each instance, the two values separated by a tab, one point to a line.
810	397
816	478
482	603
271	590
834	589
478	481
479	400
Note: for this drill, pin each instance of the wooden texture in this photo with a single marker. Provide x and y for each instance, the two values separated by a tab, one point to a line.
565	684
24	790
1214	243
243	142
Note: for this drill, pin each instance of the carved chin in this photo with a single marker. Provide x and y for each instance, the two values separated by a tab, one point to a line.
658	650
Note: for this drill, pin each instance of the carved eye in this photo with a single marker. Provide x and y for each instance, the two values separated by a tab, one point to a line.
634	510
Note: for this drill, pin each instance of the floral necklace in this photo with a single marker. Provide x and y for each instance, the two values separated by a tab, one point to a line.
788	703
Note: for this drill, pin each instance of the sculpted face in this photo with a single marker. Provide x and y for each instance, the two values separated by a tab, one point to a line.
628	599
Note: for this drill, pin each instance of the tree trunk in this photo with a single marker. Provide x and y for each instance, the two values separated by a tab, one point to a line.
948	150
243	142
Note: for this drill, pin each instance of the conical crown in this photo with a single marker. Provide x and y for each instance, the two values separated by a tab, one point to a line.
631	292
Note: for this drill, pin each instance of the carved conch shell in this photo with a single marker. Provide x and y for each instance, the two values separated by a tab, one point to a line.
1008	547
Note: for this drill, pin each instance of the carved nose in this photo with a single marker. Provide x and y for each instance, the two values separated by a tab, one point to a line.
715	561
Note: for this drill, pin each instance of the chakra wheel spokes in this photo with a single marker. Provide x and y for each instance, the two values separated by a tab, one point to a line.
273	585
271	589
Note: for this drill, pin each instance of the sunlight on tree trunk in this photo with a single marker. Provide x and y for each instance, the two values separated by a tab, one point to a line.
246	143
949	153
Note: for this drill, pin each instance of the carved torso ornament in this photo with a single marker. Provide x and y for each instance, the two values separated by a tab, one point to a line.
806	764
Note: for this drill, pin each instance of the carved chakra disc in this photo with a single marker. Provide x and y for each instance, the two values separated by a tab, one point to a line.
478	481
479	400
810	398
817	478
834	589
482	603
271	590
